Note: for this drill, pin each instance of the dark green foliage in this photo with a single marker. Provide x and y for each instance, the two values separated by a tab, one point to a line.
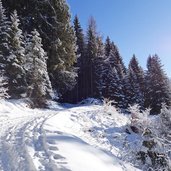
79	41
62	48
99	69
52	20
91	54
77	93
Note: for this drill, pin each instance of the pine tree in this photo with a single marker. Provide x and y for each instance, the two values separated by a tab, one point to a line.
79	40
135	83
119	69
63	48
77	93
80	61
39	88
157	86
115	92
99	69
91	54
15	67
4	35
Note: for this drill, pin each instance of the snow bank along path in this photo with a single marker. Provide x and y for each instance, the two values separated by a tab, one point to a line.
43	140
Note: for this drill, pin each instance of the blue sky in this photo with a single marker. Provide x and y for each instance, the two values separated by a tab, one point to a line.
139	27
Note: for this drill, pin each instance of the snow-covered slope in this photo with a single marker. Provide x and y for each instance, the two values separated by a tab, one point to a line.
81	138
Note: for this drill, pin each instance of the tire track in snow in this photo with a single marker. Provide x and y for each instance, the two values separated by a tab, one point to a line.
14	155
37	139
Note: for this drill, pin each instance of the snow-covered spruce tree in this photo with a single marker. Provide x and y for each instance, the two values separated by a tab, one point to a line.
102	69
118	61
80	61
99	69
79	41
4	35
39	85
91	54
117	83
115	92
15	68
157	86
3	87
135	83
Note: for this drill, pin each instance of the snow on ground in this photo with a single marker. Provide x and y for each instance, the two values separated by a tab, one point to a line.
88	138
80	138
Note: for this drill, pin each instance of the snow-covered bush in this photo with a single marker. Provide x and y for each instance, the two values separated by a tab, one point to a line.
108	107
145	143
139	120
165	121
153	152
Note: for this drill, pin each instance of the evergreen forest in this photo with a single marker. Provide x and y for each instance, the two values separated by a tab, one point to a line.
44	56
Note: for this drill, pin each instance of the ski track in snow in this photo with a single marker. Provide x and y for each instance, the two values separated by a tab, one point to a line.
15	136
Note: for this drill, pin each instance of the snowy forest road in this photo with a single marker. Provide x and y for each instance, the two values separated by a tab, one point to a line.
56	139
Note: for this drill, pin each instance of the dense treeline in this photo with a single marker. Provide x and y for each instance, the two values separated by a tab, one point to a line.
43	56
102	74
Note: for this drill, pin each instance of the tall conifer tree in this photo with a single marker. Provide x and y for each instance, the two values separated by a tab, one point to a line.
135	83
99	69
78	90
117	75
91	54
157	86
15	68
77	93
39	86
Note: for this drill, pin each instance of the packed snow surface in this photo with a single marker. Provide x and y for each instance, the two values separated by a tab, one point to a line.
70	138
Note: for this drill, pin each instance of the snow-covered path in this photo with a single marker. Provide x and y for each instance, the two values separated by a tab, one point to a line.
14	155
19	127
64	139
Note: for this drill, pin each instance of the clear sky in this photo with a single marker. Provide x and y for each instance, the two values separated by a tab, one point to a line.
139	27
